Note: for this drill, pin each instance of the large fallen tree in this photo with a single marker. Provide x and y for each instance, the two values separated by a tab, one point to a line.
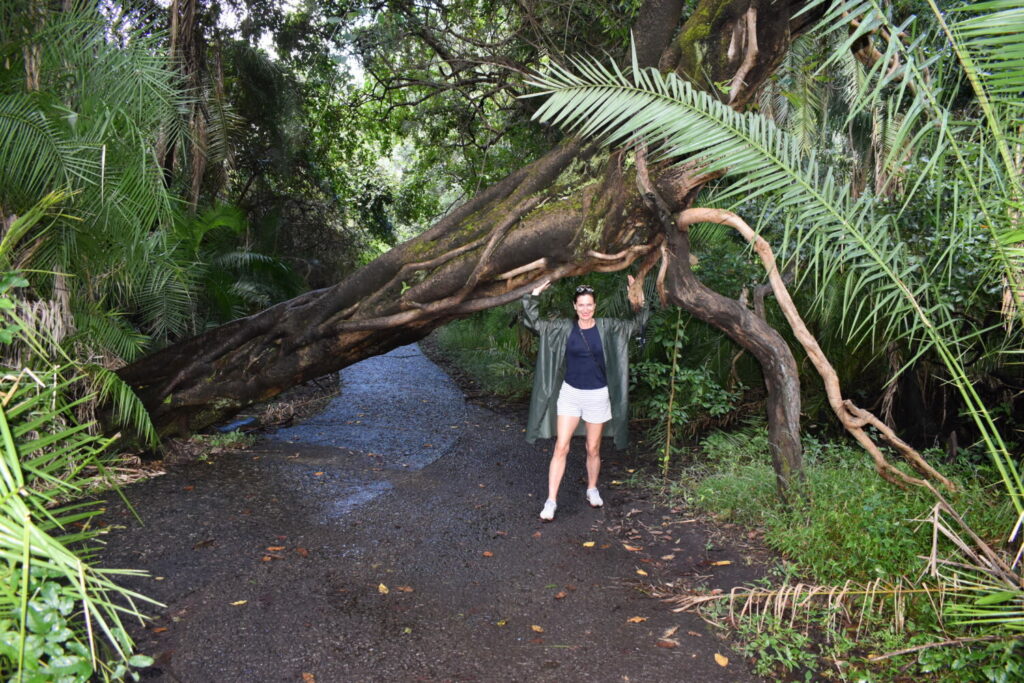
575	210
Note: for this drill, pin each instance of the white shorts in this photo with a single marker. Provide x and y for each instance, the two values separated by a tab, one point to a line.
593	405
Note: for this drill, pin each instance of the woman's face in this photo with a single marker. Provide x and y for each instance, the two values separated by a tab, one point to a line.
585	306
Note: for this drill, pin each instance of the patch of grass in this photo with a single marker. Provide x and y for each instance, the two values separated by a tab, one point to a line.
854	526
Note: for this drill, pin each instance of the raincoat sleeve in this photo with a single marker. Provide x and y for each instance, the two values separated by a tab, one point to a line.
531	314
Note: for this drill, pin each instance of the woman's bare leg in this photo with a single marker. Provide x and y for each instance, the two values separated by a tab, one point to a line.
593	453
565	426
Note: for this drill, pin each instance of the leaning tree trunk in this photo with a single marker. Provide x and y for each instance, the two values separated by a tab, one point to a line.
573	211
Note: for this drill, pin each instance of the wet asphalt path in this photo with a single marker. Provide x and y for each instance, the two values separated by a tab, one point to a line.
395	537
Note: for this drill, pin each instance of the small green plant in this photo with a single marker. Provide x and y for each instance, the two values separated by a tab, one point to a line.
778	648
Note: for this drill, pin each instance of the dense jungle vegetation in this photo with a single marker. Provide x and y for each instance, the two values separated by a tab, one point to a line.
166	169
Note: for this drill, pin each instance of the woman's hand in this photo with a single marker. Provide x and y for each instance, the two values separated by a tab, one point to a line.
541	287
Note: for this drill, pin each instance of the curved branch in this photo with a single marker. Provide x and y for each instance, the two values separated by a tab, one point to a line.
854	419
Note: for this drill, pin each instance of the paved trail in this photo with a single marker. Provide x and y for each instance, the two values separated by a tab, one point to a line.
394	538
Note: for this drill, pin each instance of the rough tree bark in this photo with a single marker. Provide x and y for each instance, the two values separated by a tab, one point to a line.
574	210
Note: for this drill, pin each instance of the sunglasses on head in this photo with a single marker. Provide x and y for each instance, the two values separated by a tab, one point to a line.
584	289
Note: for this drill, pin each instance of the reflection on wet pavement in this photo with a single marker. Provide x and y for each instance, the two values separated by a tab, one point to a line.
409	415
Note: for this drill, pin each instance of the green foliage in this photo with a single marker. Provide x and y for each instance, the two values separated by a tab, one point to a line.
856	526
54	607
491	347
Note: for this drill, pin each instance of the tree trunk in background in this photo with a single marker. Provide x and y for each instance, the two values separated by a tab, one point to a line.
573	211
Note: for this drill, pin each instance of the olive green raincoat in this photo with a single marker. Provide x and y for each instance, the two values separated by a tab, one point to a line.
547	378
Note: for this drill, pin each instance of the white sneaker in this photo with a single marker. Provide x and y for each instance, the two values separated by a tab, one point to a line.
548	513
594	498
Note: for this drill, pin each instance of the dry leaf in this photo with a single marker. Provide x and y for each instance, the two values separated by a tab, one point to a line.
537	629
318	474
382	589
669	632
159	629
266	558
188	488
667	643
668	557
302	551
636	620
631	548
721	563
694	633
560	594
721	659
404	589
501	622
488	553
236	603
641	572
308	678
275	548
588	544
537	534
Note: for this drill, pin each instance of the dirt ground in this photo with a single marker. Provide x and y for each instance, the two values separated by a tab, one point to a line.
394	536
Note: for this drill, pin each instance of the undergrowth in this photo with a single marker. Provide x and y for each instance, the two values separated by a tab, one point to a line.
857	528
492	347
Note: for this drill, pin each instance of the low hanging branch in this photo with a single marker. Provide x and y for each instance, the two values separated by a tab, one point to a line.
854	419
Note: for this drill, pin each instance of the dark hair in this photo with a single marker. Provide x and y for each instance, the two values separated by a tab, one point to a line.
581	290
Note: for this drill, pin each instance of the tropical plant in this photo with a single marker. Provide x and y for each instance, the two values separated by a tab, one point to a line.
952	86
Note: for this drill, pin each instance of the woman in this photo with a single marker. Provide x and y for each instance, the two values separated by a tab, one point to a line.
581	376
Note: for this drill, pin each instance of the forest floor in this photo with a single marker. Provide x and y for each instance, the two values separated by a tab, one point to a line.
394	536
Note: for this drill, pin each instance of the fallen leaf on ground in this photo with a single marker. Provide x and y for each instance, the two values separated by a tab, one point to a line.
275	548
159	629
318	474
302	551
537	534
560	594
641	572
631	548
236	603
669	632
667	643
537	629
721	659
188	488
694	633
308	678
668	557
636	620
616	482
382	589
488	553
404	589
588	544
501	622
721	563
266	558
501	533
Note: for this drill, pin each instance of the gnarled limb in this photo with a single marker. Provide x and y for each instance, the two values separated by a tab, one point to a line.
853	419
